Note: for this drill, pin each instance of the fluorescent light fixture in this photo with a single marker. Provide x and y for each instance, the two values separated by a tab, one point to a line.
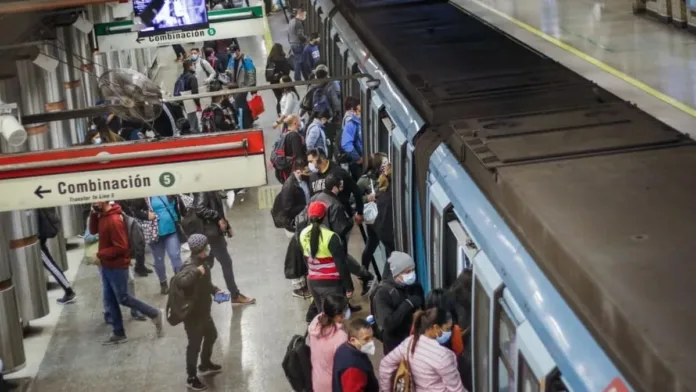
83	24
47	63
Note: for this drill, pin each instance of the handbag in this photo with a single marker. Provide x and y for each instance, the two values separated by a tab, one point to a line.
402	379
180	232
150	227
256	106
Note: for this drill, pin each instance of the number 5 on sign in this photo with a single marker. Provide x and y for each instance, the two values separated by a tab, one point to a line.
167	179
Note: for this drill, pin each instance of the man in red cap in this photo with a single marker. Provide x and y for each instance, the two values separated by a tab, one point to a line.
326	258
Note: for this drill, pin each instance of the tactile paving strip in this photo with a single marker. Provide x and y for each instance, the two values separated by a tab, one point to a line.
266	196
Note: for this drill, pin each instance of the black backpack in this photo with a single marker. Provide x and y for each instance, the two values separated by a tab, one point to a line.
376	328
178	303
270	71
49	223
297	364
307	103
277	213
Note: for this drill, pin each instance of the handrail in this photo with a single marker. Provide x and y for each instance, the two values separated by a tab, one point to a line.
107	158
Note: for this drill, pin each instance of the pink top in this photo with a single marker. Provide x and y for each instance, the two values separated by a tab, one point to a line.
323	349
433	367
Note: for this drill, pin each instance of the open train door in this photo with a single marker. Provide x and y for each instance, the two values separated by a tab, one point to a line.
121	171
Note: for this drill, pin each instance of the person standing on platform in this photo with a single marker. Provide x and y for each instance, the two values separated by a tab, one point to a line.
210	211
352	368
195	283
187	82
242	74
114	257
310	55
204	71
296	37
49	227
351	147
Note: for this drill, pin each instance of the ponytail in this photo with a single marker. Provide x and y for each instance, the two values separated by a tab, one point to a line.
417	326
314	236
423	320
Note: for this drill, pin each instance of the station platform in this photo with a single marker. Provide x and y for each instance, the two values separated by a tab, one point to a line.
638	59
64	351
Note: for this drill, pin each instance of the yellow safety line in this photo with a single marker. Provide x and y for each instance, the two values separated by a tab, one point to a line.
267	38
607	68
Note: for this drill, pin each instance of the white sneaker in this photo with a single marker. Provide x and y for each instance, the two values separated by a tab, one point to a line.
185	247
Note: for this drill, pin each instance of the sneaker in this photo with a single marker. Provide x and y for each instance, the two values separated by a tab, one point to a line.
210	368
301	293
194	384
367	285
164	288
141	272
243	300
159	323
115	339
68	298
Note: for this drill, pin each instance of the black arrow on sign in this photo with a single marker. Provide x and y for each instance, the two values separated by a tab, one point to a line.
139	40
40	192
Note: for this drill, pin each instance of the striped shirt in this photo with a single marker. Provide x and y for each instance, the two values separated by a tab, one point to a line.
433	367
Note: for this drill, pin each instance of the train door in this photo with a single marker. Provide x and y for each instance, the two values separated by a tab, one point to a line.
438	206
338	65
402	193
313	21
537	370
487	290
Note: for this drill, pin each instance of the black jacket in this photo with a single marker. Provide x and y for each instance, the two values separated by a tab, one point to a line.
281	67
292	200
223	121
198	287
209	209
191	84
347	357
139	209
349	187
337	220
394	305
384	223
294	146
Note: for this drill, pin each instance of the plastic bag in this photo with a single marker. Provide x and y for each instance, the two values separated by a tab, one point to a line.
256	106
370	209
90	256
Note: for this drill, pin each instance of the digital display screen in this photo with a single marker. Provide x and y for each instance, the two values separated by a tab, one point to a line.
157	16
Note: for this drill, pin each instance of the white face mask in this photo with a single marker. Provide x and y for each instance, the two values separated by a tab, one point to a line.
368	348
409	278
313	167
96	140
346	316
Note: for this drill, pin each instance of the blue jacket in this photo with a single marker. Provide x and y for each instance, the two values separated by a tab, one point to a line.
310	57
246	73
316	138
351	139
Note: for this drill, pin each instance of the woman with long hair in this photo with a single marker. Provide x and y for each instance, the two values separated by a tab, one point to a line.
326	259
326	334
433	367
277	66
289	102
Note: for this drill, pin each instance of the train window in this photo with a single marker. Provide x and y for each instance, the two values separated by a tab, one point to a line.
397	196
386	125
355	83
435	247
458	250
527	380
482	312
556	384
507	350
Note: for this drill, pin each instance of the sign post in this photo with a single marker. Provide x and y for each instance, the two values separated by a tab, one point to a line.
132	170
232	23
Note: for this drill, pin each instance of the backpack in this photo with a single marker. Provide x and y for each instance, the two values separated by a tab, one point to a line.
49	223
307	102
136	237
279	219
178	303
270	70
402	380
297	364
320	100
180	84
208	120
342	156
279	160
378	332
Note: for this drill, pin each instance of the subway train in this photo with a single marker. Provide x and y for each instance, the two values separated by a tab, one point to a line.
575	209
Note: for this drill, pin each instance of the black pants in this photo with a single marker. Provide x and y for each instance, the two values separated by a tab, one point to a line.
319	292
179	50
53	268
200	331
356	170
278	94
370	247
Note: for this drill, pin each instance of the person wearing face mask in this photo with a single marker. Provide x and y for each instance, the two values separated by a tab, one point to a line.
187	81
326	334
292	144
316	136
296	36
433	367
350	149
115	256
352	368
197	289
242	72
395	300
203	70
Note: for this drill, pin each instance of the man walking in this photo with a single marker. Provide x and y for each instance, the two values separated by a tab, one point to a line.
114	255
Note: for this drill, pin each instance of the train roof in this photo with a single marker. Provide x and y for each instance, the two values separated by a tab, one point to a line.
601	194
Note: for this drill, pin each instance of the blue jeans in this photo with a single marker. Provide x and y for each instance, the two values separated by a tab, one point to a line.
170	244
115	286
131	291
297	60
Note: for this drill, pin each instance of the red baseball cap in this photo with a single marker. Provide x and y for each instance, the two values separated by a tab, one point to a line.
316	209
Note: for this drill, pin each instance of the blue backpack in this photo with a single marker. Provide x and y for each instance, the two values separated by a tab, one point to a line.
320	100
180	85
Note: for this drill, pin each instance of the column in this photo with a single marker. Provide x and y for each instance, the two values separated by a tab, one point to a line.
90	86
11	337
99	59
21	227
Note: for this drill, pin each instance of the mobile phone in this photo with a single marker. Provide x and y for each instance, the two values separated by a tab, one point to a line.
222	297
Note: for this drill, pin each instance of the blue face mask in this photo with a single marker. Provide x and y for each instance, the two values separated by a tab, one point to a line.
445	337
194	57
409	278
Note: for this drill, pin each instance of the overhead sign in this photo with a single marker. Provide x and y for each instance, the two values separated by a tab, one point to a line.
237	22
181	165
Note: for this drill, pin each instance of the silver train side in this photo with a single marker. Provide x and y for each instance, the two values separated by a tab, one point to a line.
575	207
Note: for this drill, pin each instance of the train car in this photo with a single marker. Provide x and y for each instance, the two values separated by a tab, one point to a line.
573	209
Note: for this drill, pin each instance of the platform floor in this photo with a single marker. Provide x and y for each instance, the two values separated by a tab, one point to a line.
638	59
65	353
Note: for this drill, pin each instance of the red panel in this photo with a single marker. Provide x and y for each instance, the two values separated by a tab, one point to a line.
616	386
255	145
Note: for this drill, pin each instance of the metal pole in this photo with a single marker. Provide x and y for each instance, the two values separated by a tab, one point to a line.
100	110
126	156
11	337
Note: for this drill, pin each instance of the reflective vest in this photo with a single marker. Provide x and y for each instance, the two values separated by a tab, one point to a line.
321	267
